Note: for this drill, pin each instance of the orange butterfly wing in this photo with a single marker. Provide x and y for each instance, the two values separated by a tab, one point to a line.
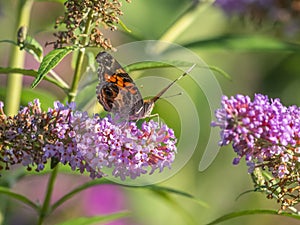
116	91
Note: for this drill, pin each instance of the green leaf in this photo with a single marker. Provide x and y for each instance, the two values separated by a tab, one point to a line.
169	190
146	65
31	73
218	70
125	28
49	62
165	194
96	219
252	212
244	43
79	189
33	47
152	65
18	197
160	190
9	41
5	70
92	183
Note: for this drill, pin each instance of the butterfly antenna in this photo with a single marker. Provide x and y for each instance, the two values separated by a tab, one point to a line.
155	98
171	96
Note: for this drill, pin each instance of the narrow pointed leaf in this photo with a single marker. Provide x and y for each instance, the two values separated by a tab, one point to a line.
168	190
33	47
31	73
160	190
49	62
18	197
96	219
153	65
146	65
244	43
5	70
218	70
232	215
79	189
125	28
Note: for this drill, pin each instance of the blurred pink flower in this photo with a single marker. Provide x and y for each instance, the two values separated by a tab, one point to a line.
103	200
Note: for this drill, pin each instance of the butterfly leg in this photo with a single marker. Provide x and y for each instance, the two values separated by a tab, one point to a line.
153	116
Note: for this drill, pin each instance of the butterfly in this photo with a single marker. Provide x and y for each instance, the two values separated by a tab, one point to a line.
118	93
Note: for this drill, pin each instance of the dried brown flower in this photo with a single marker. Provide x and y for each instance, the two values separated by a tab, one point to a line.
83	20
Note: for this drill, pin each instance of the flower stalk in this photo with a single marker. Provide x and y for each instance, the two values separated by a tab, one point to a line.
79	61
47	201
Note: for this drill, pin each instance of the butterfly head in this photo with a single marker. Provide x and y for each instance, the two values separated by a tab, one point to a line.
143	112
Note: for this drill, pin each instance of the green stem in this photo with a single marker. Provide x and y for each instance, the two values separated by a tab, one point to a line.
79	61
46	205
58	79
77	74
71	96
14	81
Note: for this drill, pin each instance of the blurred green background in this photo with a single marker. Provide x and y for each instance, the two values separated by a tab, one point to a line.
253	69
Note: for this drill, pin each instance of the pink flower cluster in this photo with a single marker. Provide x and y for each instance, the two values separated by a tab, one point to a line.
129	150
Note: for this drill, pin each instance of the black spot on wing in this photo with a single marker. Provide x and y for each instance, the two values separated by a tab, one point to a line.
106	94
110	91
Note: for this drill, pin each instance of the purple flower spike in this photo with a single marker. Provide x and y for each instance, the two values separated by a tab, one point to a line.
267	134
33	137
